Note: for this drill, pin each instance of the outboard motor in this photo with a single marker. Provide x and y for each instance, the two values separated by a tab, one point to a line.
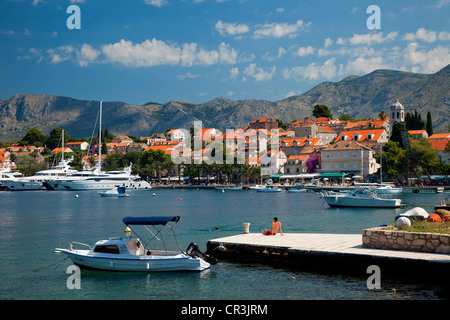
193	251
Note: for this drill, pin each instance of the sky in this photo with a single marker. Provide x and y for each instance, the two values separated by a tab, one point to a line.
140	51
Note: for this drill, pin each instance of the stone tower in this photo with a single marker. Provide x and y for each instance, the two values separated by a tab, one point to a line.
397	112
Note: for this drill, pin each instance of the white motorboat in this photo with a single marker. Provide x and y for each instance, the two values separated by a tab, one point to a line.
387	189
294	190
132	254
359	198
7	174
107	180
76	176
115	192
268	188
36	182
256	187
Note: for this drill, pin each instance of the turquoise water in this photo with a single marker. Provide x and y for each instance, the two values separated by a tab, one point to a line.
33	224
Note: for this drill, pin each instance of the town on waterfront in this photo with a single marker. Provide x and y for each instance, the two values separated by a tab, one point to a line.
397	147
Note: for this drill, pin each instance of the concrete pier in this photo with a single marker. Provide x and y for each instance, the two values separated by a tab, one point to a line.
329	253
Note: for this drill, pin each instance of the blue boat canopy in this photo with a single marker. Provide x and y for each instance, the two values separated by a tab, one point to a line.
149	220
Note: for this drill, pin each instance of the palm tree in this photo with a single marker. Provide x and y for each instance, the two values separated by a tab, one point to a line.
246	170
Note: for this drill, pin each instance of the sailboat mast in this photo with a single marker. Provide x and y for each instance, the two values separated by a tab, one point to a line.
62	131
100	139
381	164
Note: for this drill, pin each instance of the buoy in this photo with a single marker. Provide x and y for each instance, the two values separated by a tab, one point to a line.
127	230
76	196
179	198
154	194
403	223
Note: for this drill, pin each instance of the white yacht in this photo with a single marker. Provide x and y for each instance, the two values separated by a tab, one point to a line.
7	174
107	180
76	176
36	182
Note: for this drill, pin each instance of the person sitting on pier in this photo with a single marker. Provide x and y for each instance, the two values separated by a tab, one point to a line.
275	226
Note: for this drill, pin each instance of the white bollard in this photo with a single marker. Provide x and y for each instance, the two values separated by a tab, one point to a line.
246	227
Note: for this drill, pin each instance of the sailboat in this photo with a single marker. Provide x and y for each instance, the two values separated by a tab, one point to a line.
386	188
105	180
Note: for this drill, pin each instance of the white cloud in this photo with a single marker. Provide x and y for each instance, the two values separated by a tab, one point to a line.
427	35
425	61
148	53
156	52
87	54
312	71
328	42
187	75
421	34
362	65
63	53
442	3
304	51
156	3
341	41
234	72
279	30
225	29
36	2
258	74
370	38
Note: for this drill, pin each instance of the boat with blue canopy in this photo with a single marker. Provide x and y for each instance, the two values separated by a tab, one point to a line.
135	254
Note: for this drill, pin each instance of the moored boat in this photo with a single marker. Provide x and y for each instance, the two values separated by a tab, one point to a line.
132	254
359	198
387	189
268	188
115	192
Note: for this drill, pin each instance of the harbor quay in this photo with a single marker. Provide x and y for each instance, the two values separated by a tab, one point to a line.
329	253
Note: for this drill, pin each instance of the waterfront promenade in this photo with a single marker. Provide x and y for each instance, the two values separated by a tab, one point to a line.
331	253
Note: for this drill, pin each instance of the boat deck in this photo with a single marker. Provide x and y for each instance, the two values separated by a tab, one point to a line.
343	253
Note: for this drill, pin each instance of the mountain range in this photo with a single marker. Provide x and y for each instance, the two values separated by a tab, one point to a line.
360	96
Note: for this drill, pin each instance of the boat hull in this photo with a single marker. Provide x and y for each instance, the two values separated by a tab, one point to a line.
388	191
340	201
104	185
24	185
147	263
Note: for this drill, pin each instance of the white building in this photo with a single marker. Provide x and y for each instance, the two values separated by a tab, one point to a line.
397	112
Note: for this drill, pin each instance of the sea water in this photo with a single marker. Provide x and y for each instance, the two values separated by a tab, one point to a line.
34	223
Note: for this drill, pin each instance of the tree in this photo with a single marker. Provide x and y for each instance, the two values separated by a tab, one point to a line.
394	163
429	124
396	135
282	124
54	139
321	110
29	165
422	156
347	117
414	121
382	115
34	137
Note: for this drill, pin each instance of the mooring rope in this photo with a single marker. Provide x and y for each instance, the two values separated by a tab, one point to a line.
50	265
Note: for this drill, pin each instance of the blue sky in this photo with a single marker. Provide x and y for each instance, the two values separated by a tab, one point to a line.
160	50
